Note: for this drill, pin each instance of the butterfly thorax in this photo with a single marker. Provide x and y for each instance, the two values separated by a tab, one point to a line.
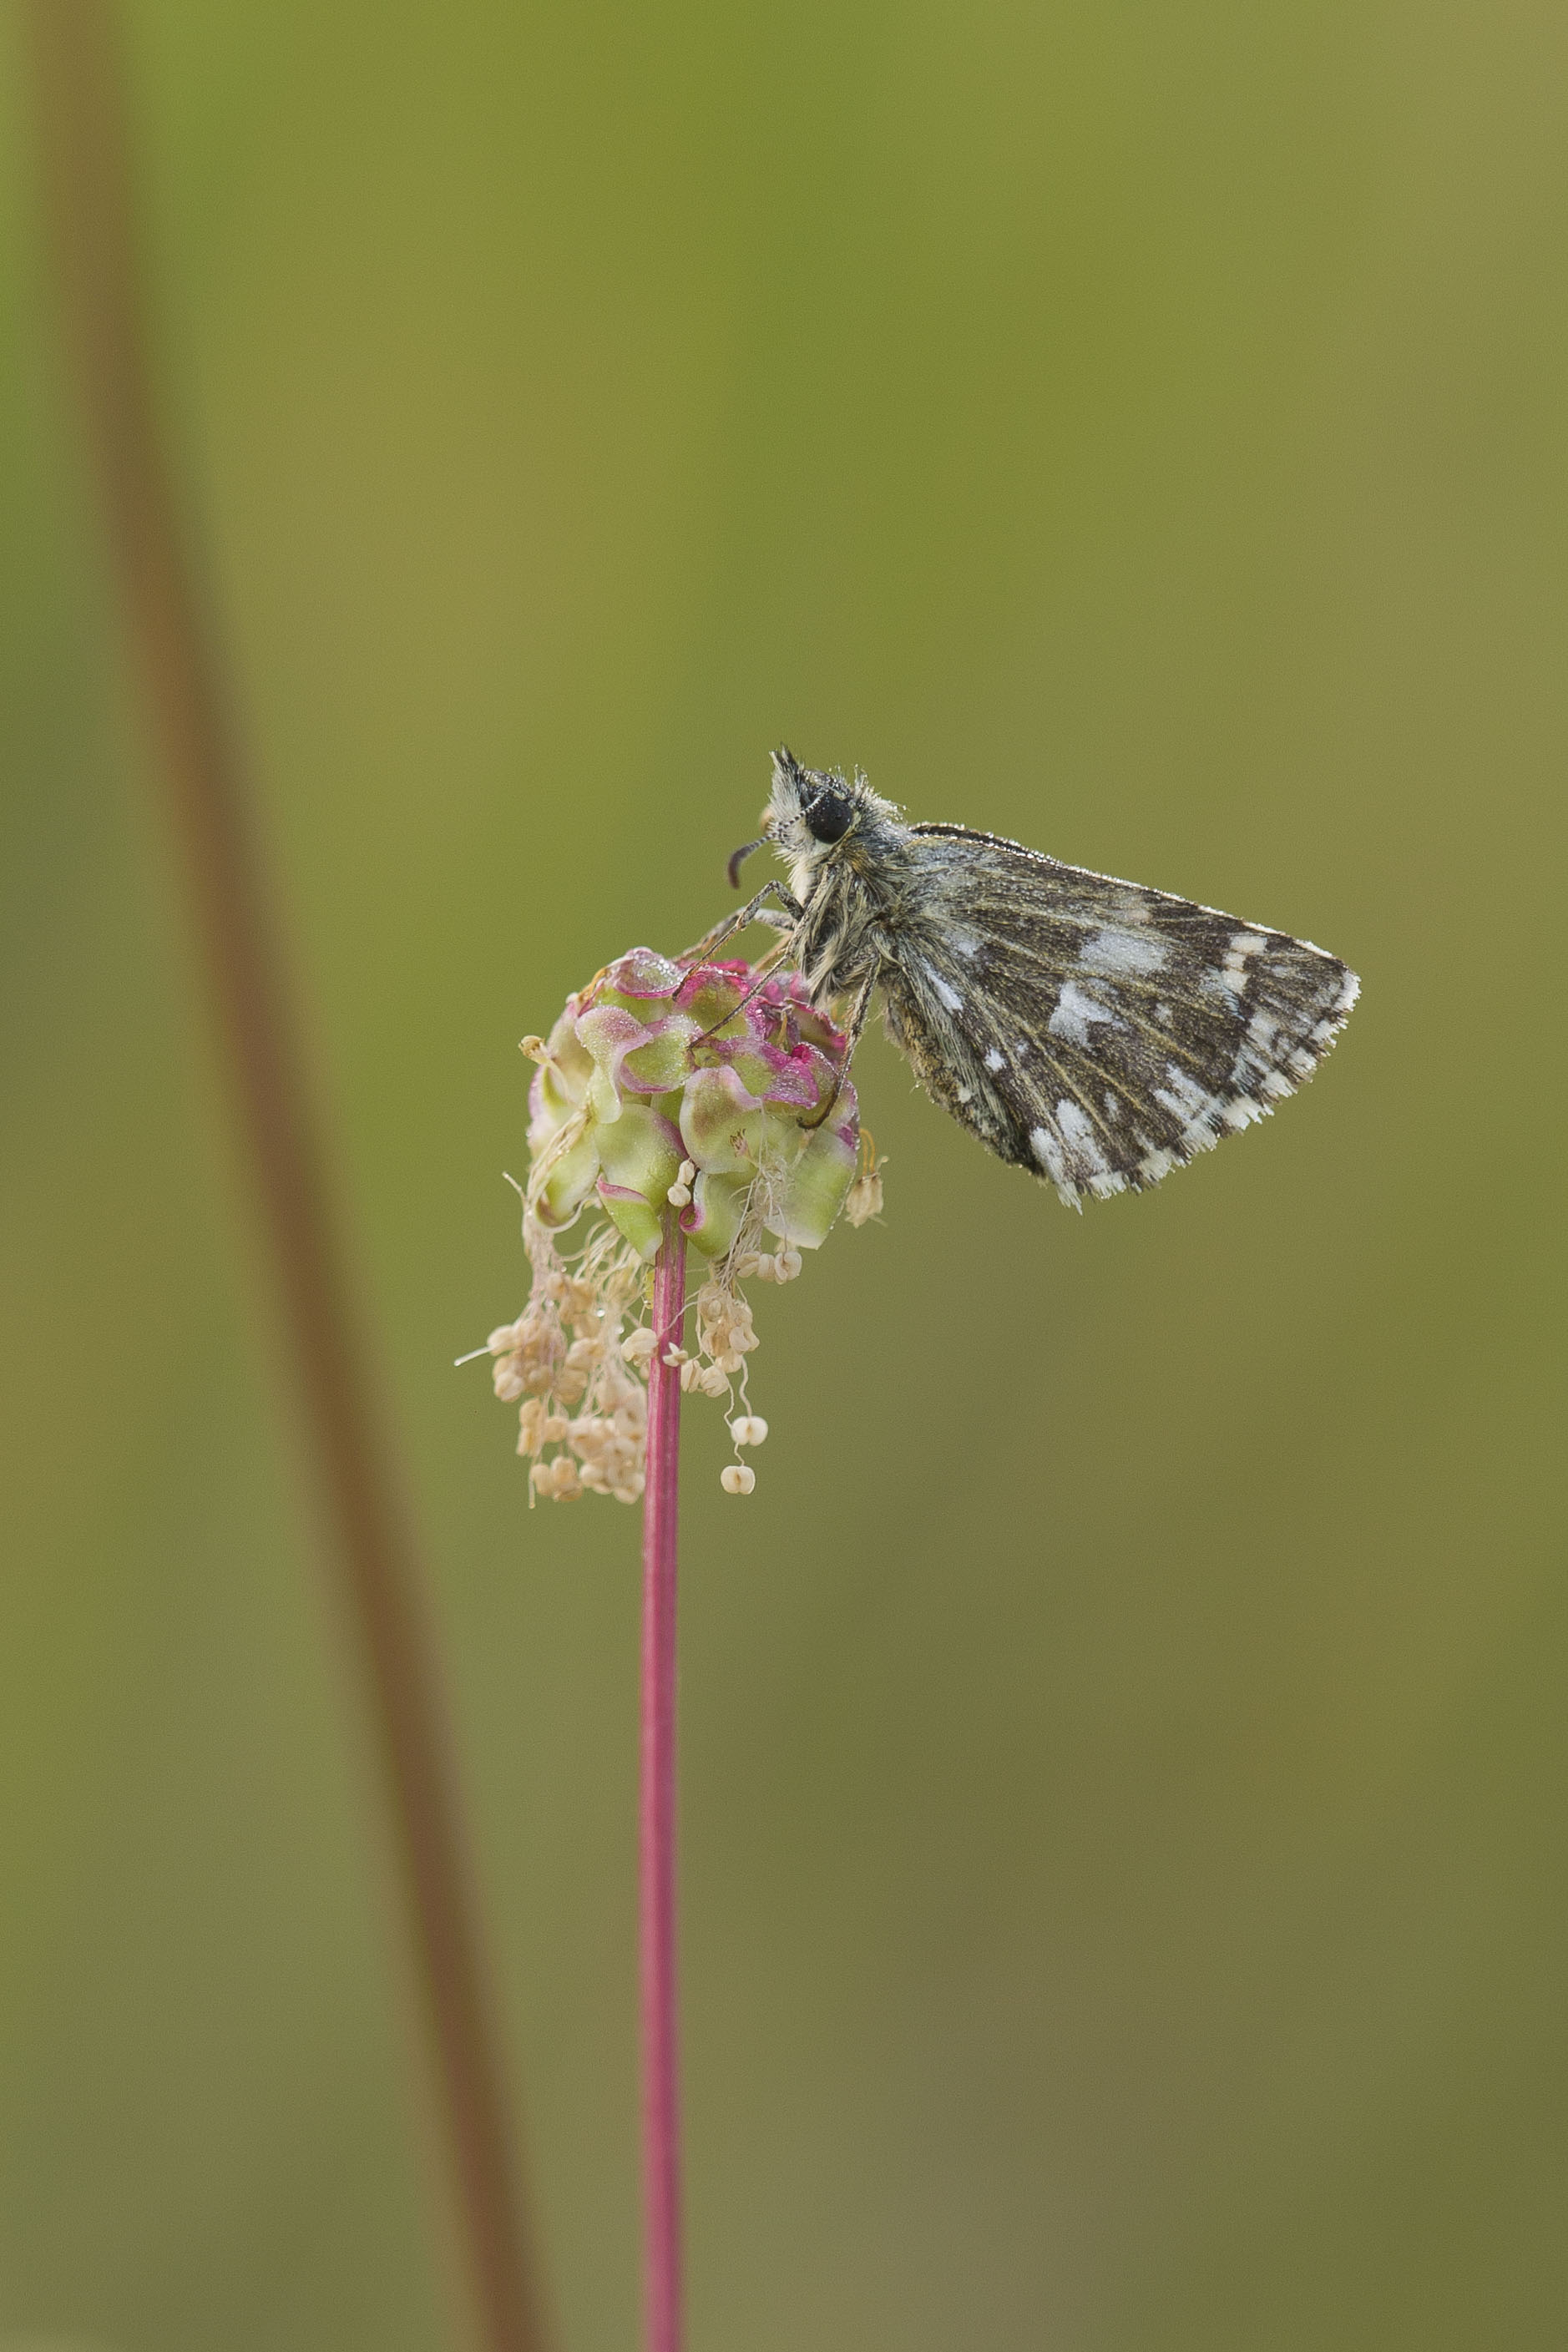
855	890
855	902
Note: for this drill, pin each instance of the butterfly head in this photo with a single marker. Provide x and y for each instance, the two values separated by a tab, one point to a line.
808	812
811	813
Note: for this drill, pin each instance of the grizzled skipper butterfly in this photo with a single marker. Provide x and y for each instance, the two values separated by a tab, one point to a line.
1092	1031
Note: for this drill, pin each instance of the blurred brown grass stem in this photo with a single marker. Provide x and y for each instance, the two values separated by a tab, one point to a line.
88	186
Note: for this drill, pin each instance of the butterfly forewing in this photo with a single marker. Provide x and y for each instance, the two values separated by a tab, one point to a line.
1097	1032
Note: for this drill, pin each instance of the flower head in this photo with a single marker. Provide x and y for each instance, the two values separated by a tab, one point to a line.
710	1091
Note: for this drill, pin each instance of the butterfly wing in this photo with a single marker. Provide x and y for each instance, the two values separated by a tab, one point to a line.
1092	1031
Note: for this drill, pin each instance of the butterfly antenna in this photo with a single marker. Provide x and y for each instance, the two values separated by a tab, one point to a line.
738	858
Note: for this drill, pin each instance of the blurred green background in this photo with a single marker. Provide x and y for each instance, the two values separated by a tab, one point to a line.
1126	1759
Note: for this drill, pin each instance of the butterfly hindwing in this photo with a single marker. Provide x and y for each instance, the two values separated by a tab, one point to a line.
1096	1032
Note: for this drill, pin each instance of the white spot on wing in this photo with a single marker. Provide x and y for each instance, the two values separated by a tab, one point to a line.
1075	1012
949	996
1129	955
1053	1159
1232	975
1201	1111
1088	1159
1183	1096
996	1061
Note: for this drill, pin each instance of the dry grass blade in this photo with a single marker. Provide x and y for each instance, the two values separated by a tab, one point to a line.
89	185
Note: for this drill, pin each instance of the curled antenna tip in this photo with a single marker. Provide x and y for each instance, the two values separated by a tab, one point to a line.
739	859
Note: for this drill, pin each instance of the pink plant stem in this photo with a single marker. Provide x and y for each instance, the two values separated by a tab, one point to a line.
657	1925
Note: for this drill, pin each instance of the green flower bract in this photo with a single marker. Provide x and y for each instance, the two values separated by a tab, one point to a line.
655	1063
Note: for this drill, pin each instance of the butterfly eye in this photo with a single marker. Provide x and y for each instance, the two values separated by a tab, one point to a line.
829	816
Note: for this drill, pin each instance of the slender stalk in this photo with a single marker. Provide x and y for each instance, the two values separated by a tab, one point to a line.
84	152
656	1819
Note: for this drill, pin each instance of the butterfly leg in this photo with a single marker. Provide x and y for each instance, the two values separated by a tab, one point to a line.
764	972
851	1039
750	913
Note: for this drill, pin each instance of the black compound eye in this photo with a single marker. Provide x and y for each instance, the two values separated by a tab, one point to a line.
829	816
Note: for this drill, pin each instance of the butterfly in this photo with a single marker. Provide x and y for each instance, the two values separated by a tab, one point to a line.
1094	1032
